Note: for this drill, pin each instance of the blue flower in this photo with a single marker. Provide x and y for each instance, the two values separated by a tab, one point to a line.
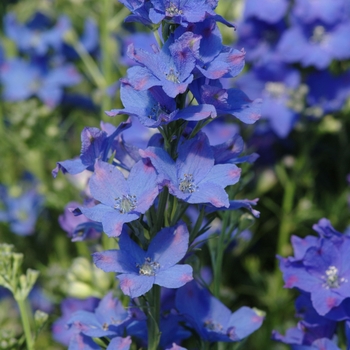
38	35
171	328
270	11
121	200
211	319
155	108
306	337
22	211
171	67
22	79
315	44
79	228
182	11
227	101
259	39
323	270
143	41
327	93
95	144
227	64
329	11
60	331
137	270
211	38
194	177
119	343
230	151
279	87
109	319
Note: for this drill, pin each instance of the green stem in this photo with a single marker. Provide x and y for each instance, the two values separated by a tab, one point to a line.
26	323
153	317
163	198
118	19
205	345
90	64
107	11
157	37
286	221
180	210
220	256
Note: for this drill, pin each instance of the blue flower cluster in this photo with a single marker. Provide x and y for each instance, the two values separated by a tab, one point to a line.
43	66
279	39
21	206
320	270
141	193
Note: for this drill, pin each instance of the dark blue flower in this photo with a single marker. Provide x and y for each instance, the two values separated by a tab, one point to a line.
171	329
327	93
211	319
137	270
259	39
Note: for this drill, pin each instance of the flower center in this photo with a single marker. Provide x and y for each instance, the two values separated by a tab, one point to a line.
173	76
332	279
210	325
172	10
186	184
126	203
35	39
318	35
148	268
276	89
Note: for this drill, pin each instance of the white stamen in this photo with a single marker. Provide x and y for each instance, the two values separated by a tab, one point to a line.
172	10
148	268
187	184
126	203
332	279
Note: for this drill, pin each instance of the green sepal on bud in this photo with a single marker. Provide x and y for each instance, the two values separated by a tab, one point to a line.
245	222
26	283
40	318
10	273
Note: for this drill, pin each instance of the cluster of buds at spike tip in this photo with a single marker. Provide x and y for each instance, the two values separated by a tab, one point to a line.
10	273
